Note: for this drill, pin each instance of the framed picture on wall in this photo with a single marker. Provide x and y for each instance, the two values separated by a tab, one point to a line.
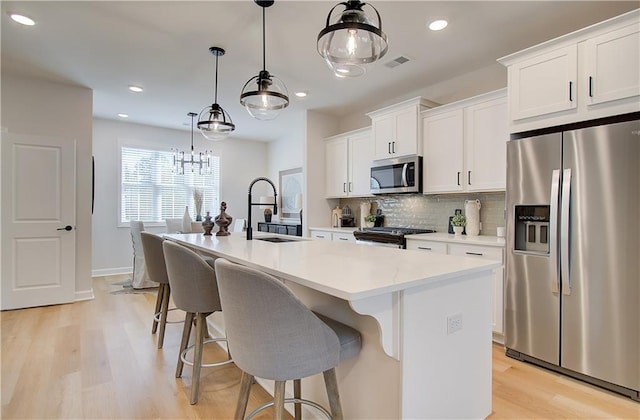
291	193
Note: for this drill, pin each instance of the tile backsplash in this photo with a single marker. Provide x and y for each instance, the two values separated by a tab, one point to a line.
432	211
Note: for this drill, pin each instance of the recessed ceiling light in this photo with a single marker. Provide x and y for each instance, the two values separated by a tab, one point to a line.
438	25
301	94
22	19
122	115
134	88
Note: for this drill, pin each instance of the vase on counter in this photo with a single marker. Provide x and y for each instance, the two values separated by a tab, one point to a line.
457	230
472	211
207	225
223	220
186	221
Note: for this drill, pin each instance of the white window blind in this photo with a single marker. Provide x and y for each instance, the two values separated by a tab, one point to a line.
151	192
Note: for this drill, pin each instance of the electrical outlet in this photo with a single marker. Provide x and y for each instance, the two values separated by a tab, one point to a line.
454	323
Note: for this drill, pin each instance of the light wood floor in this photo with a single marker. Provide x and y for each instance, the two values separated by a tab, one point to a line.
97	359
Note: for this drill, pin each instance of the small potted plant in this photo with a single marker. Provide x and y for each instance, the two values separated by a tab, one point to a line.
370	220
267	215
459	221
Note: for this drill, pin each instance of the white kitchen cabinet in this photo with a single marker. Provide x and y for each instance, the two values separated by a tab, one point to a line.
348	159
396	129
590	73
324	235
435	247
333	235
343	237
465	145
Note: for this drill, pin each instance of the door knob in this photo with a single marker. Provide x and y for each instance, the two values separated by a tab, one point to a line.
67	228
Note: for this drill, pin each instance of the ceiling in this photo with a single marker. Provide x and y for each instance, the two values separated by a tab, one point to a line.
163	47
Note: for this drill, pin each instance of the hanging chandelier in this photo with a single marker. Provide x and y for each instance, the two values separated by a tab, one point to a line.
201	160
271	95
352	41
214	122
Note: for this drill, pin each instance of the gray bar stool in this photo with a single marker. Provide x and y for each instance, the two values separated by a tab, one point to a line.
273	335
157	270
195	291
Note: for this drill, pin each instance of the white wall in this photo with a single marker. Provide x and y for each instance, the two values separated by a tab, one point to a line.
40	107
316	208
470	84
241	161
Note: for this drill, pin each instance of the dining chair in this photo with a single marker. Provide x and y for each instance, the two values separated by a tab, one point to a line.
195	290
273	335
140	277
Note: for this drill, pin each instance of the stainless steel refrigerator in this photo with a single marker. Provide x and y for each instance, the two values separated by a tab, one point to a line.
572	293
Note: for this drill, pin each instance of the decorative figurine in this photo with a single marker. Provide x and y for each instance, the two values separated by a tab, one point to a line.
207	225
223	220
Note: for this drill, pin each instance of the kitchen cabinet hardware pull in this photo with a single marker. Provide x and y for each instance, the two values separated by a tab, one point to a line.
590	87
320	236
393	147
426	248
389	147
458	177
570	91
475	253
469	178
350	186
343	239
344	187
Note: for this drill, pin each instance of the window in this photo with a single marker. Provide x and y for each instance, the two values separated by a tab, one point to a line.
151	192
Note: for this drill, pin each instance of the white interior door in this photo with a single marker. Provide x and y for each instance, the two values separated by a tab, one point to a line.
38	202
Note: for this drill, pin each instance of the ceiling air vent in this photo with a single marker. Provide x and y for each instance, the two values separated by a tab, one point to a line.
396	62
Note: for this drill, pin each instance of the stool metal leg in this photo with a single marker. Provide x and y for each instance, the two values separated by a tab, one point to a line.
186	332
154	327
201	324
243	397
297	394
331	382
164	311
278	400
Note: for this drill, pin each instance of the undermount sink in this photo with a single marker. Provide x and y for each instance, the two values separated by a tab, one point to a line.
276	239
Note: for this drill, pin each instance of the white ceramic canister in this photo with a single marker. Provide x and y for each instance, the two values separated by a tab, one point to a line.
365	210
472	212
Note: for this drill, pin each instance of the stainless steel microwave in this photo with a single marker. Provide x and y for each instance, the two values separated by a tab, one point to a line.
398	175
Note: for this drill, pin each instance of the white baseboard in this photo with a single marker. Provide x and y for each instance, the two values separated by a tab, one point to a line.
111	271
84	295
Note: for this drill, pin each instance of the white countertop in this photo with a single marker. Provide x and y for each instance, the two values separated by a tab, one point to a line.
345	270
484	240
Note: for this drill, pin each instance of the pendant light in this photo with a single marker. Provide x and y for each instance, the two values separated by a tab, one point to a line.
353	41
271	95
214	122
201	160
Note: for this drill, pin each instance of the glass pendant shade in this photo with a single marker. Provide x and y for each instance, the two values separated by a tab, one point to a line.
352	42
214	122
264	95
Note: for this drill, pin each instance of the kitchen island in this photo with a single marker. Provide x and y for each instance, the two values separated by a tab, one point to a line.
425	320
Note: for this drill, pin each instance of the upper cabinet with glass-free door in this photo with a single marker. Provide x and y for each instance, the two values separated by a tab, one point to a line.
590	73
347	164
396	129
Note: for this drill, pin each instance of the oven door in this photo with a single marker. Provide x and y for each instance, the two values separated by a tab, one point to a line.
374	243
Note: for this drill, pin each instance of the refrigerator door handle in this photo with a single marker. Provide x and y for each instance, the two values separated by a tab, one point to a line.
564	232
553	229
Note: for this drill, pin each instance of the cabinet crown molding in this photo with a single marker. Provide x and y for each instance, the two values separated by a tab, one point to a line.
574	37
483	97
417	101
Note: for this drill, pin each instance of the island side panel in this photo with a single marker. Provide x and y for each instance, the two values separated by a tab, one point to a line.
447	374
